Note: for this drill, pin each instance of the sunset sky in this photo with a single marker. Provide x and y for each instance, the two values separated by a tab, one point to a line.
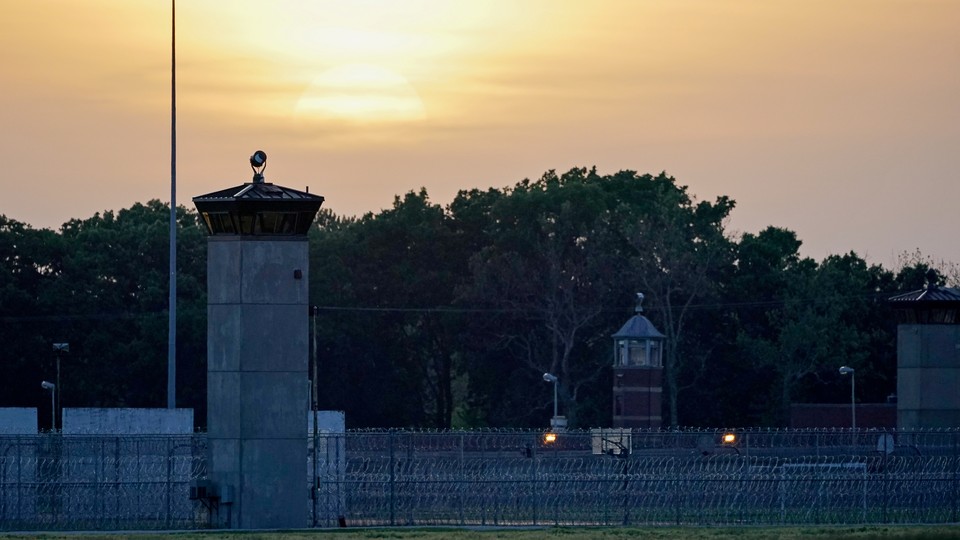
839	119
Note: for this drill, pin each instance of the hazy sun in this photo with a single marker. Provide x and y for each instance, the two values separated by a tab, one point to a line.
361	93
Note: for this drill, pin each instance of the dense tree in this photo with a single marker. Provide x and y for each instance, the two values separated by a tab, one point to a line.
822	320
394	363
545	278
448	317
101	285
30	262
681	258
565	254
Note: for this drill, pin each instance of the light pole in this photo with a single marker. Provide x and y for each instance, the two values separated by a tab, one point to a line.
845	370
53	398
59	349
547	377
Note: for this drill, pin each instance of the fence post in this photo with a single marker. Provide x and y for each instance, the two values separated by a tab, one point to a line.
19	480
676	488
170	451
139	481
461	484
953	513
536	488
886	477
393	502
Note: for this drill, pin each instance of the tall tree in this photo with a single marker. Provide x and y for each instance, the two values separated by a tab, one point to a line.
564	255
824	321
681	255
389	273
544	272
100	284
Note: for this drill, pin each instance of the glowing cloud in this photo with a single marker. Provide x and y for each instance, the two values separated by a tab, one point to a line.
361	93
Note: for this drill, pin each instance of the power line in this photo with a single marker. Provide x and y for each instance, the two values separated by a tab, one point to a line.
757	304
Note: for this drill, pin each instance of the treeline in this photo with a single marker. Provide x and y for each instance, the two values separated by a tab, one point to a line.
432	316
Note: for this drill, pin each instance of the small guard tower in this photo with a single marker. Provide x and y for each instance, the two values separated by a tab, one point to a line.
257	349
637	373
928	356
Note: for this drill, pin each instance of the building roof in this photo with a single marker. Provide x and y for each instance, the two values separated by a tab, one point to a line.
930	305
638	327
258	208
927	294
258	191
931	295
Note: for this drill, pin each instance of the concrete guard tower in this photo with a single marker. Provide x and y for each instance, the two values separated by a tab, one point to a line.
257	349
637	373
928	356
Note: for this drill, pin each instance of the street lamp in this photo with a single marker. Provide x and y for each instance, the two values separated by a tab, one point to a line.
53	397
547	377
60	349
845	370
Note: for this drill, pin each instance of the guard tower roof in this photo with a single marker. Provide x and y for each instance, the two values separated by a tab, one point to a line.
638	327
930	305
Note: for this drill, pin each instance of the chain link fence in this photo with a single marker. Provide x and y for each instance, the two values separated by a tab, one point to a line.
67	482
504	478
619	477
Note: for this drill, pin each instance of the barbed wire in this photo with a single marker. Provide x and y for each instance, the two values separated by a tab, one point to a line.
506	477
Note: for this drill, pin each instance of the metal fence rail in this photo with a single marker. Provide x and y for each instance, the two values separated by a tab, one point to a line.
508	477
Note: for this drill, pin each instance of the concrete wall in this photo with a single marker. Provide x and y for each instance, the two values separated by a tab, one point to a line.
928	376
837	415
257	389
18	421
114	421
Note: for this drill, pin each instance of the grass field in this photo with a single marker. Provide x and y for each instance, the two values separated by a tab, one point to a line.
911	532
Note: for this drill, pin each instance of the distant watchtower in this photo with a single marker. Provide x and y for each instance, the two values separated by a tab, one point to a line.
257	348
637	373
928	356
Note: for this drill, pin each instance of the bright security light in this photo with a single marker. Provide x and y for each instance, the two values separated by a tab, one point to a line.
549	438
47	385
258	159
258	162
549	378
729	438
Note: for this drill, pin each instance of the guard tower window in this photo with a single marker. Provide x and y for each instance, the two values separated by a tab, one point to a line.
219	222
246	223
277	222
637	353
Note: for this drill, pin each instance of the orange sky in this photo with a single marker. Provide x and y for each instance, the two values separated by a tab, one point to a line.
839	119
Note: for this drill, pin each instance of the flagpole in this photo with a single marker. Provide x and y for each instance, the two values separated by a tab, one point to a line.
172	333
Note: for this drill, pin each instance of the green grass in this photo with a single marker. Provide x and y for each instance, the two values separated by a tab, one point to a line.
905	532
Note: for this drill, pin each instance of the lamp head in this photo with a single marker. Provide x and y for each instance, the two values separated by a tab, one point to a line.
258	162
46	385
845	370
547	377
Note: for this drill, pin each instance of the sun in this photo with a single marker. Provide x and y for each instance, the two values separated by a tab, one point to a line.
362	93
